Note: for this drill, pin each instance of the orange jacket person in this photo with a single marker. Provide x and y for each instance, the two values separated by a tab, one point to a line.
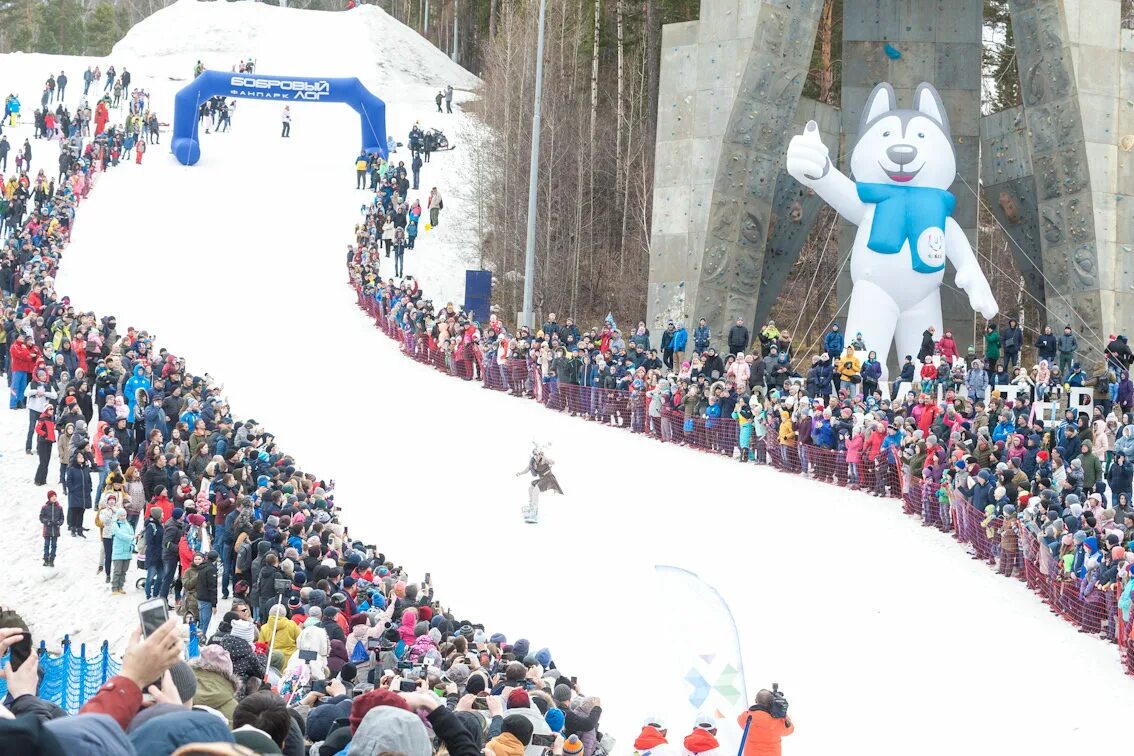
765	732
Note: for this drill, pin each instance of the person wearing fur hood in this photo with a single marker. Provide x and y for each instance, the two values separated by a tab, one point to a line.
311	638
217	685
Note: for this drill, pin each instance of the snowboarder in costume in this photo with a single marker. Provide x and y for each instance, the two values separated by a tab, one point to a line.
539	466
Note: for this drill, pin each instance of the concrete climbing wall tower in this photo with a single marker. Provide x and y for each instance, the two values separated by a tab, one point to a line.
1058	171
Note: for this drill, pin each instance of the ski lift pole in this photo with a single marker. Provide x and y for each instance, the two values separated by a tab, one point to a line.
533	179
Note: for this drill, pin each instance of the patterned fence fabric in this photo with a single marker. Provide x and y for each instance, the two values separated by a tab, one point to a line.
70	679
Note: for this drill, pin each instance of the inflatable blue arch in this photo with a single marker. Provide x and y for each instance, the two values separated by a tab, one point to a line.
186	146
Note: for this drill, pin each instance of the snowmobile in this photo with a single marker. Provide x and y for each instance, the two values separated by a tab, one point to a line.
440	142
539	465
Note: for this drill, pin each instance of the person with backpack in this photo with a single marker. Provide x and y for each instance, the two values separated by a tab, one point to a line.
170	552
361	167
435	205
152	534
206	592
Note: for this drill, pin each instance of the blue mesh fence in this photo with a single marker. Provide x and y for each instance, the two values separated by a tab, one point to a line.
70	679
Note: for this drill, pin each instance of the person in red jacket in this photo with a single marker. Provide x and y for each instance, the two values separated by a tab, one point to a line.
764	730
101	116
947	347
703	740
23	359
651	740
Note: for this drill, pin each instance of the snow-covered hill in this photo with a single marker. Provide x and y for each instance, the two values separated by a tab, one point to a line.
886	637
216	234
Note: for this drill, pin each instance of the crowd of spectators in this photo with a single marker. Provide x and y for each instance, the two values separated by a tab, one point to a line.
310	641
952	423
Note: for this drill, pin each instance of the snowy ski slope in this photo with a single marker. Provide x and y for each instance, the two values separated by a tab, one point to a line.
885	636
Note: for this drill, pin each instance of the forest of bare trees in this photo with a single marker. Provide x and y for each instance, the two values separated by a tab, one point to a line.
595	180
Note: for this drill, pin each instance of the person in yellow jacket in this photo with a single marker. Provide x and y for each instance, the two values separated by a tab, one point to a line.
361	166
287	632
787	436
850	371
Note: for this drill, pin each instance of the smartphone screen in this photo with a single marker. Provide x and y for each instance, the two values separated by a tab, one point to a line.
152	614
407	686
543	741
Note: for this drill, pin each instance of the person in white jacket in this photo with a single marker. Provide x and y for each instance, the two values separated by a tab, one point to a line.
38	395
311	639
286	118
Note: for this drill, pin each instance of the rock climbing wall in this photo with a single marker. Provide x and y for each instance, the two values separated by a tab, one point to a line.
730	84
1077	84
1010	191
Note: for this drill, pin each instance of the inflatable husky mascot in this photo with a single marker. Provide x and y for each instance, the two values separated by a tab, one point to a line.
903	166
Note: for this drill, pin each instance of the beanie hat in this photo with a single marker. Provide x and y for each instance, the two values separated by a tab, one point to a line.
562	692
184	680
369	700
520	649
555	720
51	493
518	699
178	513
498	638
573	745
475	684
244	630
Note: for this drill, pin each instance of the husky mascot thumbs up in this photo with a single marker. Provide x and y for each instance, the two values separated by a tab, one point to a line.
903	166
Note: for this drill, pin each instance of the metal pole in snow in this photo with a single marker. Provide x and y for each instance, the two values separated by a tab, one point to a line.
533	178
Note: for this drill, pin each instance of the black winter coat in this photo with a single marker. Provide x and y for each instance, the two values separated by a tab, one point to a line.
207	582
171	540
153	535
737	339
79	493
152	478
51	515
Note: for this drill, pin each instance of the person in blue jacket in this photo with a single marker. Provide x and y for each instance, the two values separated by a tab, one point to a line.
888	454
701	337
190	416
871	375
981	490
822	433
1003	429
137	381
833	341
679	343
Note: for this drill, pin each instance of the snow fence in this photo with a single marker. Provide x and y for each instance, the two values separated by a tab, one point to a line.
69	680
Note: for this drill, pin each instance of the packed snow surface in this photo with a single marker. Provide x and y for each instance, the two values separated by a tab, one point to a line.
886	637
